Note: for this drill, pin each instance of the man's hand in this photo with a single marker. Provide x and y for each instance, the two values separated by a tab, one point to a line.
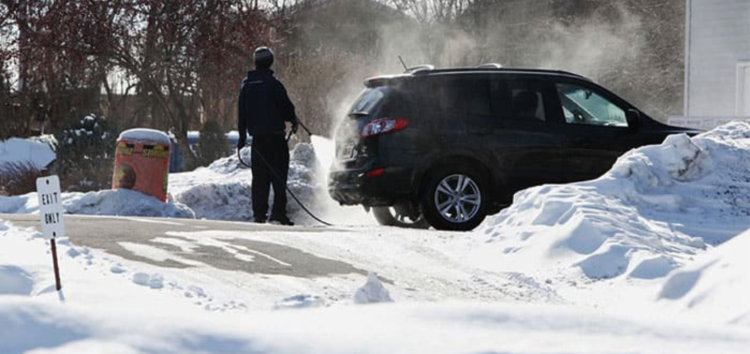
295	125
240	144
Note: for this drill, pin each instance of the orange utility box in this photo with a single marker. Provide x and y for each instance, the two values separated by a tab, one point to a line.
142	162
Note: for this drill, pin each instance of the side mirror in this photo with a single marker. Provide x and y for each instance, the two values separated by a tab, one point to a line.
633	116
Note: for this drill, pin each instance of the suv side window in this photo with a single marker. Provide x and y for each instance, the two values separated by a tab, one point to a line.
527	101
582	105
465	97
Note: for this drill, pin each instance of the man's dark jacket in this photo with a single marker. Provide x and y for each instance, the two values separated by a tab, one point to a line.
264	105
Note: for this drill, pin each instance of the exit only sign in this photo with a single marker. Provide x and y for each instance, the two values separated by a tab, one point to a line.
51	216
50	206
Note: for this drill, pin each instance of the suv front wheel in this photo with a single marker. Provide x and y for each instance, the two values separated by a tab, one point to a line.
454	198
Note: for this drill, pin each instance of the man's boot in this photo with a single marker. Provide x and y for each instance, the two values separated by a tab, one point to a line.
281	219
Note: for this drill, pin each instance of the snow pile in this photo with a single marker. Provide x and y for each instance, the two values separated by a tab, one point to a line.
652	212
427	328
122	202
372	292
21	151
715	287
222	190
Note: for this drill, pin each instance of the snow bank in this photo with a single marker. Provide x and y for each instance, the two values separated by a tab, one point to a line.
222	191
652	212
714	288
121	202
415	328
35	152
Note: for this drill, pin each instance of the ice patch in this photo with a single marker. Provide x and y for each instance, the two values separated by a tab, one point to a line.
372	292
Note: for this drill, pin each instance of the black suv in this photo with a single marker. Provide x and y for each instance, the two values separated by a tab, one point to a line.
447	147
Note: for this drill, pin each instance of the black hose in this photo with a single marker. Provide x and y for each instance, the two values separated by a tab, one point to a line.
278	178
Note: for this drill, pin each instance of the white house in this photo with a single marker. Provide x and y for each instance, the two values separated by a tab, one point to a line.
717	59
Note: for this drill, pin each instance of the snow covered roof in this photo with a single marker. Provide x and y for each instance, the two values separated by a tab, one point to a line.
15	150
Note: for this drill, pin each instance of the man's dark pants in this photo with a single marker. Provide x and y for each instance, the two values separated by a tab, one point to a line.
269	151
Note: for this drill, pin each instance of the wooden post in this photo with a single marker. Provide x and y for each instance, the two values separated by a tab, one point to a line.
58	284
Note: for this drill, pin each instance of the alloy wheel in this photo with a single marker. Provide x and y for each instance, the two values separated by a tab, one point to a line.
457	198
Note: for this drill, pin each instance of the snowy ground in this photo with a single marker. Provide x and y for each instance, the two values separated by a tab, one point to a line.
645	259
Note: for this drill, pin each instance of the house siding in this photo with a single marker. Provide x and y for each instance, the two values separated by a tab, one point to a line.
718	38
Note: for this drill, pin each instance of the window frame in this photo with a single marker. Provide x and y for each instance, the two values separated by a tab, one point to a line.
601	91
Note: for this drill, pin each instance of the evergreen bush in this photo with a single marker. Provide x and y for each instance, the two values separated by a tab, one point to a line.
85	154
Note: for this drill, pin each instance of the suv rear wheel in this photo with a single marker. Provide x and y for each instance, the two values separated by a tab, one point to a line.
389	216
454	198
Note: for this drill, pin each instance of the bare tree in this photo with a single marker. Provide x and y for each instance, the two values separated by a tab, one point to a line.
425	11
186	59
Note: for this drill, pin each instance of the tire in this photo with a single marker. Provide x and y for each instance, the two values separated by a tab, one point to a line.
388	216
454	198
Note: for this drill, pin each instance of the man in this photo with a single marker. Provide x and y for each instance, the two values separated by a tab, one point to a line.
264	106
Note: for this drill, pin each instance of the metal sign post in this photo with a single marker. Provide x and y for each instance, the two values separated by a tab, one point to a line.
51	216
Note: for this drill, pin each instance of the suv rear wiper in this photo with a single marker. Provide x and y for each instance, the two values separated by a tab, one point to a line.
358	114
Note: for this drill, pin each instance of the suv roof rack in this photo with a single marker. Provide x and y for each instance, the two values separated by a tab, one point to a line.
492	68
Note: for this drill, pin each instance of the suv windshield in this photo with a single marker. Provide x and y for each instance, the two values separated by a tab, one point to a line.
367	100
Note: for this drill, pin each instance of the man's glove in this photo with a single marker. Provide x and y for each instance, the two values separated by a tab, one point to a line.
240	144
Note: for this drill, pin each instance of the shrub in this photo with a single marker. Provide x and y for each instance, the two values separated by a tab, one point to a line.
85	154
18	178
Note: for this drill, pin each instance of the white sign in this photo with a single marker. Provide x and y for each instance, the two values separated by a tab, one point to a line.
50	206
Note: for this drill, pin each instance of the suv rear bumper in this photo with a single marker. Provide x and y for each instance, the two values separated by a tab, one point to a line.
352	187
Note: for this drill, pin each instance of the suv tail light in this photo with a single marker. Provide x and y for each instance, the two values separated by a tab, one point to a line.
383	125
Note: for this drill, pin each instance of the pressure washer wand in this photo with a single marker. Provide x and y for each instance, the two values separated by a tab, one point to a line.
304	127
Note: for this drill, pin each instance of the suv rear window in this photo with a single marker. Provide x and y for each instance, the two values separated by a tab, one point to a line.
368	99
